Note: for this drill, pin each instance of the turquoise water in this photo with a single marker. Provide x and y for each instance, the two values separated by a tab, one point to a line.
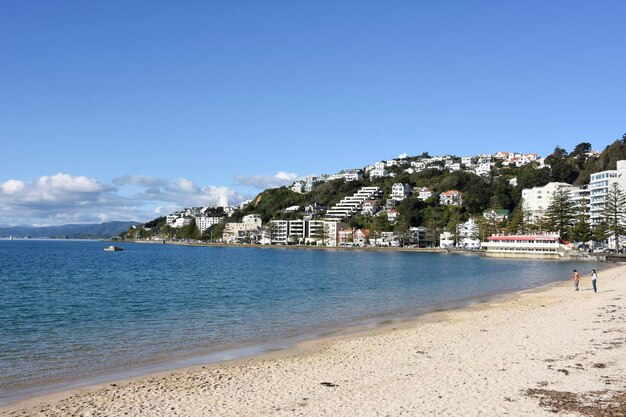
69	310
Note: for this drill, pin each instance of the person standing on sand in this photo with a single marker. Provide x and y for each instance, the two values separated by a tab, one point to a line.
576	279
594	276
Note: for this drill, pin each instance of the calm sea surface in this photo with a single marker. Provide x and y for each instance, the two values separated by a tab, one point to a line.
70	311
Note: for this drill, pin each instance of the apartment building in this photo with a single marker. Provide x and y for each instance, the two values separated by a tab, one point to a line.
599	186
537	199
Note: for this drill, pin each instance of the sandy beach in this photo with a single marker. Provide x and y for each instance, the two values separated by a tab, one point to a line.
527	354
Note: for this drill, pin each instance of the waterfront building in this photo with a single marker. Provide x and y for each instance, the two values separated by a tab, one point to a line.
284	232
599	186
345	237
446	240
205	222
467	235
417	236
526	246
249	223
537	199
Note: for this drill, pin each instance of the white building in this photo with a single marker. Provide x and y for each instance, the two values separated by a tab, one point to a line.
350	205
483	169
468	161
537	199
446	240
378	173
222	200
527	246
320	232
599	186
425	193
205	222
399	191
451	198
249	223
467	235
180	222
418	165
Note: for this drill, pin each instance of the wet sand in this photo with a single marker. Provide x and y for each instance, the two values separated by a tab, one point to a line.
527	354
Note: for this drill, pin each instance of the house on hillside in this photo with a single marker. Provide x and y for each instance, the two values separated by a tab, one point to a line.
482	169
399	191
370	207
451	198
392	215
498	215
425	193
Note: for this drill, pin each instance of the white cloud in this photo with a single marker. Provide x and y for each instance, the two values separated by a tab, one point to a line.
63	198
12	186
267	181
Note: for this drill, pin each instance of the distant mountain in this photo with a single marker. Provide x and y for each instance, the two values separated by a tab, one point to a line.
69	231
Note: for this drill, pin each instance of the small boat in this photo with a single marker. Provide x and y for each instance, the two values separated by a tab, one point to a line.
113	248
11	237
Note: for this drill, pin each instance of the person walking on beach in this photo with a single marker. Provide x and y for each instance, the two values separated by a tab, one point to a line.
594	276
576	279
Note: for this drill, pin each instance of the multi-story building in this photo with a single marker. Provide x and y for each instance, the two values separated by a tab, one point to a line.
222	200
599	186
451	198
285	232
205	222
351	205
399	191
467	235
249	223
417	236
537	199
579	196
482	169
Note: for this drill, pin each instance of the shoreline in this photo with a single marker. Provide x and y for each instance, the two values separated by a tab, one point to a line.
307	347
247	351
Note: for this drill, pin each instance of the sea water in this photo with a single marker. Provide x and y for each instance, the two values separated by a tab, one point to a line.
70	311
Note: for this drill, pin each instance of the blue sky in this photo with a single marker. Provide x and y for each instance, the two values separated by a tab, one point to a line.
125	110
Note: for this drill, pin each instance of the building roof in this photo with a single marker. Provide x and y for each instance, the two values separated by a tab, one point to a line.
527	238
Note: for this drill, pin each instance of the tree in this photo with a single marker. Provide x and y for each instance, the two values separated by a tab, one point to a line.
562	168
560	213
521	220
614	213
581	232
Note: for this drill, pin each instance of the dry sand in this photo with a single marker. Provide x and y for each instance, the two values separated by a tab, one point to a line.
528	354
